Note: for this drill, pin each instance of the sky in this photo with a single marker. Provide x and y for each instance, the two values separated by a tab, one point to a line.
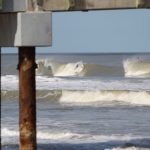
111	31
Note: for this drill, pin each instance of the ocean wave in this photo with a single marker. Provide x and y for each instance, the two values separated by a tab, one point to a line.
132	67
75	141
91	98
5	132
137	67
14	94
52	95
48	68
44	135
67	136
102	97
10	83
129	148
44	68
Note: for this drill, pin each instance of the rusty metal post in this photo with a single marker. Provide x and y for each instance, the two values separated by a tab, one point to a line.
27	98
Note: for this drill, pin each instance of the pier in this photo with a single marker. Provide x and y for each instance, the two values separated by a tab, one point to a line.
27	24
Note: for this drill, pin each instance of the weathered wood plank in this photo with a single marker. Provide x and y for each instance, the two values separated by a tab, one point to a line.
147	3
66	5
56	4
70	5
0	4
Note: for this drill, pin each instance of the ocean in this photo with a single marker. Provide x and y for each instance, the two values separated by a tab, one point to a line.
84	102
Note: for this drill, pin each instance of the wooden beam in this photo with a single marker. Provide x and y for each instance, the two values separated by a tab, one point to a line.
69	5
0	4
73	5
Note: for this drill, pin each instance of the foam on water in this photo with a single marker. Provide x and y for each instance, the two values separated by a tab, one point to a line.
137	67
74	141
47	68
71	69
129	148
88	97
10	82
95	99
84	90
67	137
98	98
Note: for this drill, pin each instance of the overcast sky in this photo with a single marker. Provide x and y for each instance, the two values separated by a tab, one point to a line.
99	31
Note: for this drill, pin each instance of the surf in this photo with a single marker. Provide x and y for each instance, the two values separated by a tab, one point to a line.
105	97
75	69
136	67
130	67
89	97
72	137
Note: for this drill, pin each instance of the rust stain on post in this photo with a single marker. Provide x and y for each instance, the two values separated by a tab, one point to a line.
27	98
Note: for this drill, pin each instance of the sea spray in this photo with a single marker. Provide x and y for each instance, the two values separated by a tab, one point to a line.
102	97
77	69
131	67
70	136
89	97
10	83
137	67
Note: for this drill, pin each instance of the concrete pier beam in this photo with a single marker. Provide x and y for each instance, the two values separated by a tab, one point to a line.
25	29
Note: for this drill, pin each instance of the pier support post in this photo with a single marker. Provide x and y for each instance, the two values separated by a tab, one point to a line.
27	98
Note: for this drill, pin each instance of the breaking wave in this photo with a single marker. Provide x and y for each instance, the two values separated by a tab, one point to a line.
47	68
52	95
88	97
137	67
102	97
132	67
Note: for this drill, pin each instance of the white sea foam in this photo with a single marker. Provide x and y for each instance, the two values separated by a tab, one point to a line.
132	67
10	82
94	98
43	135
89	97
45	67
83	91
5	132
48	68
129	148
71	69
137	67
68	136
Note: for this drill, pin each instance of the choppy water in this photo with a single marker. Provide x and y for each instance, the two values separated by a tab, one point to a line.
84	101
